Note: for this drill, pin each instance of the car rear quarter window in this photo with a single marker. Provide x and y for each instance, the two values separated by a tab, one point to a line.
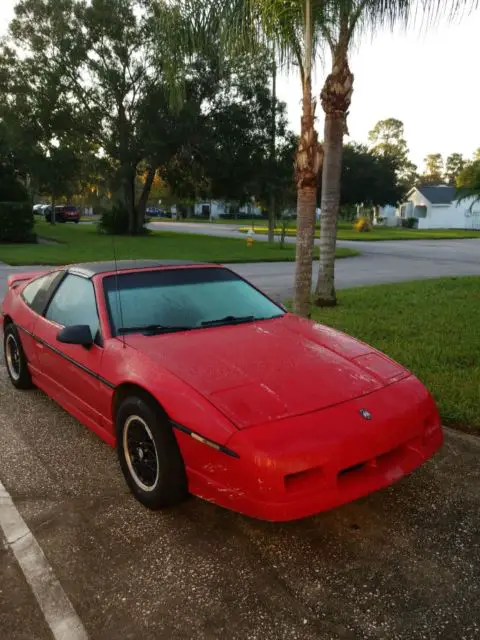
37	293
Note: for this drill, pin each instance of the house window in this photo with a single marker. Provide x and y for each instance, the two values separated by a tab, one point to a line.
420	211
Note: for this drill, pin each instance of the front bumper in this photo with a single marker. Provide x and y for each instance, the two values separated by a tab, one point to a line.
301	466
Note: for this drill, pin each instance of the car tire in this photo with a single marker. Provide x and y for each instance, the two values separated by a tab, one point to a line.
15	359
76	221
148	453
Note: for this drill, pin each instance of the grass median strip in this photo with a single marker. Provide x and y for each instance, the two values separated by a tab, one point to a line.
346	232
431	327
80	243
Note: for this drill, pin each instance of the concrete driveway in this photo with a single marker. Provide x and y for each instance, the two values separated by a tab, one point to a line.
401	564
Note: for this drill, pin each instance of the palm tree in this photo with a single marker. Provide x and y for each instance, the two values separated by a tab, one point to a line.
294	27
346	20
468	183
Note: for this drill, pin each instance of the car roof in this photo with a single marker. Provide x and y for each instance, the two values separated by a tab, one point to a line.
90	269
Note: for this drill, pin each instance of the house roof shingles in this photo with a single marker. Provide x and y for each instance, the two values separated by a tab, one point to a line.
442	194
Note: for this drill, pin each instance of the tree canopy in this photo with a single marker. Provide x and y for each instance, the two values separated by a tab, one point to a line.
468	182
96	84
453	167
369	178
434	169
387	139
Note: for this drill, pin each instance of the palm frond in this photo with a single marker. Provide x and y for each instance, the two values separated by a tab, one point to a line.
369	16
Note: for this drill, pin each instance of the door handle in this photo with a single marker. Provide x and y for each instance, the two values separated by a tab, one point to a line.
39	345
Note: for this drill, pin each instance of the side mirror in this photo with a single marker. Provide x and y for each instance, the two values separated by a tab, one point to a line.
76	334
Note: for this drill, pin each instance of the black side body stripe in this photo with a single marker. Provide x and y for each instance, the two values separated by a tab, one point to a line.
175	425
65	357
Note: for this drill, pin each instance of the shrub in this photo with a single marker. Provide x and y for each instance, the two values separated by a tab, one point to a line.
409	223
16	222
362	224
11	189
114	221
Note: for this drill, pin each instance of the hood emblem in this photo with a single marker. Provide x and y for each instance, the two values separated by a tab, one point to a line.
365	414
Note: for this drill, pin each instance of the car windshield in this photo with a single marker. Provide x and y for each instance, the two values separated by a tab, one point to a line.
182	299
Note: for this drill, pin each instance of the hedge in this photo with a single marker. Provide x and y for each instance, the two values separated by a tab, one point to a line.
16	222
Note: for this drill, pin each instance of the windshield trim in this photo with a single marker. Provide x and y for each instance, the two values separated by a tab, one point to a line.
136	331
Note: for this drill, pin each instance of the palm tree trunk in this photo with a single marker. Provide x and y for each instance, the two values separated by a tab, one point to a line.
308	160
332	166
307	166
336	97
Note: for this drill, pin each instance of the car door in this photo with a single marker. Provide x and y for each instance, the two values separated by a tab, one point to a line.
72	371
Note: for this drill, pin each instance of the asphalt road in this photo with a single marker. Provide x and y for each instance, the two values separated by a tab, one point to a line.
400	564
379	262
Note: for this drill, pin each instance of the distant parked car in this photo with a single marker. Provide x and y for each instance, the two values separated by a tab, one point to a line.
64	213
39	209
155	212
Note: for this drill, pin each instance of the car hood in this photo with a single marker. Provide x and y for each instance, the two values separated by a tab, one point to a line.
259	372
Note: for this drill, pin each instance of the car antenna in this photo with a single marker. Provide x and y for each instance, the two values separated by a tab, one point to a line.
119	297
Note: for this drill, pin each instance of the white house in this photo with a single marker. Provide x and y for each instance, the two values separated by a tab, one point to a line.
435	207
216	208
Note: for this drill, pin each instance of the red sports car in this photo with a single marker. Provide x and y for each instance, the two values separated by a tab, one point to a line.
207	386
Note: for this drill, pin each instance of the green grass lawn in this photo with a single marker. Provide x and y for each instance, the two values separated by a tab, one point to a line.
346	232
431	327
80	243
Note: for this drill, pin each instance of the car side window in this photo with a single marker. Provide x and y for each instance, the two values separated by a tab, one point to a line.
37	293
74	303
30	291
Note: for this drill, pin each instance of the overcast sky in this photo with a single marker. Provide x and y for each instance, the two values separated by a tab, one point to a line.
428	80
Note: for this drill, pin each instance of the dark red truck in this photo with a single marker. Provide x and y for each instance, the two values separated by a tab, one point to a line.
64	213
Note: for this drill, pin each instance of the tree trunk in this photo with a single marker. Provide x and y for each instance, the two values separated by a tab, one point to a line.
332	166
273	150
308	161
271	218
306	202
142	202
307	165
128	186
127	169
336	96
52	217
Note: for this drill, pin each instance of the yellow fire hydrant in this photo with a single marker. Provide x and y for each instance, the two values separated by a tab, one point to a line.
250	242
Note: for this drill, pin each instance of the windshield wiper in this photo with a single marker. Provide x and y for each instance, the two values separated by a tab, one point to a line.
228	320
154	329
